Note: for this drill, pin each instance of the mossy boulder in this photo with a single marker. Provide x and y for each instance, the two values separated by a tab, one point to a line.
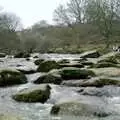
107	71
101	82
37	94
46	66
11	77
22	55
110	60
104	64
75	108
39	61
75	73
49	78
90	54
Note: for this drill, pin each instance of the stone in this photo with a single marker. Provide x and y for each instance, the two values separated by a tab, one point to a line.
33	94
22	55
90	54
75	108
11	77
76	73
49	78
46	66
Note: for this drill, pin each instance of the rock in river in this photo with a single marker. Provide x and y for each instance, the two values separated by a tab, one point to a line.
76	73
11	77
90	54
49	78
22	55
94	82
78	109
39	61
33	94
2	55
46	66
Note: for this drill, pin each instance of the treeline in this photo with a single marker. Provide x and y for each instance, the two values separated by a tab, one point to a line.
79	24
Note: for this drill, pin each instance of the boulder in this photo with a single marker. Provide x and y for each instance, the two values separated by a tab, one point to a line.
93	82
104	64
49	78
87	63
107	71
100	82
76	73
2	55
106	91
46	66
33	94
11	77
37	62
26	71
63	61
90	54
75	108
22	55
109	60
77	65
36	56
99	92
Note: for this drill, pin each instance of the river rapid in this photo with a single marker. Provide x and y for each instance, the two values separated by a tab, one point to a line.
59	93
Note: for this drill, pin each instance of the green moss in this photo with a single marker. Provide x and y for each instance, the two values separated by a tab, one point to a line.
47	66
11	78
34	96
76	74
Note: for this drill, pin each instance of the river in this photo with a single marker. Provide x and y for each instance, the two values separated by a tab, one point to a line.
38	111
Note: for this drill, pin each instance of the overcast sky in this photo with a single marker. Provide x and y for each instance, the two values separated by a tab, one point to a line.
31	11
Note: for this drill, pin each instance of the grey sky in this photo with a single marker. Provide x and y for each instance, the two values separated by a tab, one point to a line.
31	11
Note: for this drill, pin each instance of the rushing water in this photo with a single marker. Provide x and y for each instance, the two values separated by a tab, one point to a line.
38	111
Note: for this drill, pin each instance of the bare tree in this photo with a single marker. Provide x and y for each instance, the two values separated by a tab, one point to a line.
72	12
61	16
103	13
10	21
75	9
